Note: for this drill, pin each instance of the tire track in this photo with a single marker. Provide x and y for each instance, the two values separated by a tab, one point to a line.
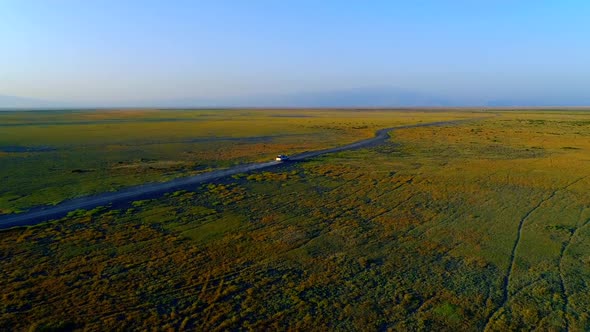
510	270
562	284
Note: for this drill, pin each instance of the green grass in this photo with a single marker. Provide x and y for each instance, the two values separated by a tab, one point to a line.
47	157
412	235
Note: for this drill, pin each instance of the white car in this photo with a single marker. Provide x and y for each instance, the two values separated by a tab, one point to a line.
282	157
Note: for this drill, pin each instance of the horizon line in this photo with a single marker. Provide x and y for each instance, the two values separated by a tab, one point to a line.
472	107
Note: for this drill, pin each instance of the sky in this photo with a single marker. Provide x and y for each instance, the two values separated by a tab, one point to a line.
341	53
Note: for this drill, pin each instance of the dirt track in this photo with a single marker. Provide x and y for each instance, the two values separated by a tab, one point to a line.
151	190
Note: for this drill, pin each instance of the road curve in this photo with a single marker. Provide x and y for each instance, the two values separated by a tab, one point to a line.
152	190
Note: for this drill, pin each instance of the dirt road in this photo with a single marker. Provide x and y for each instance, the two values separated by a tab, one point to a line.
152	190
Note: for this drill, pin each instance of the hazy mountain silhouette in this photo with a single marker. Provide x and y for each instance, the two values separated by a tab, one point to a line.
366	97
537	102
360	97
8	102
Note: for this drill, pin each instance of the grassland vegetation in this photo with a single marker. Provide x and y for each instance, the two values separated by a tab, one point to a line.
50	156
482	225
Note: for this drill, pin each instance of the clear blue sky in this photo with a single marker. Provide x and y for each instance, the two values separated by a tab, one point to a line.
466	52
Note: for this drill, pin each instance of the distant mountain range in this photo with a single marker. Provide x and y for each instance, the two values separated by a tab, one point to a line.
368	97
8	102
362	97
339	98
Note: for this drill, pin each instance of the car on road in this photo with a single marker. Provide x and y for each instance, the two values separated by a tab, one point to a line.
282	157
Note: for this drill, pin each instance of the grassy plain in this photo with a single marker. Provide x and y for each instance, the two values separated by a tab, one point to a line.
477	226
49	156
